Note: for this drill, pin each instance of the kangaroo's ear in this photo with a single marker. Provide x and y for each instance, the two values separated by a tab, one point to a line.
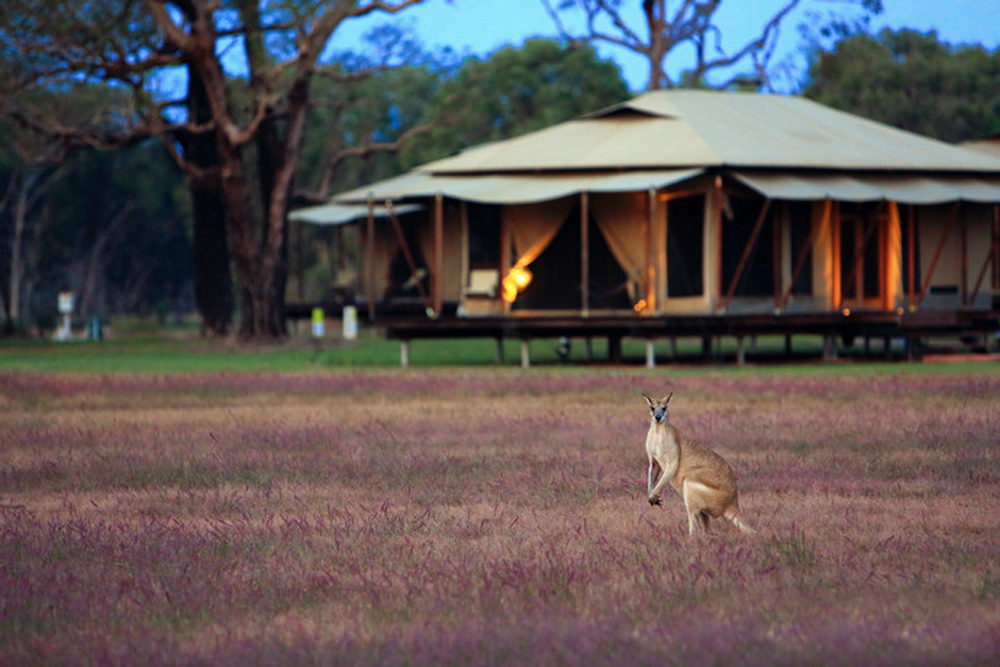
666	401
648	400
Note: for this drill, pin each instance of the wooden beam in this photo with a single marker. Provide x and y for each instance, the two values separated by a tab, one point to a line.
982	274
945	233
405	248
911	250
777	232
584	254
858	257
807	248
717	219
369	271
437	277
745	257
835	287
463	212
649	284
991	256
505	258
964	228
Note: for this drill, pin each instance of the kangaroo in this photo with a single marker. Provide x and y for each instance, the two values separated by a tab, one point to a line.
702	478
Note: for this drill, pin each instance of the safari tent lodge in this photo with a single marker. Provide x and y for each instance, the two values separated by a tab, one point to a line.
686	213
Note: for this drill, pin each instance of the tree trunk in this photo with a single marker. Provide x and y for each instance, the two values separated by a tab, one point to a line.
213	284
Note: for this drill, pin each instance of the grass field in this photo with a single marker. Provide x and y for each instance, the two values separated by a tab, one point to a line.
182	350
493	516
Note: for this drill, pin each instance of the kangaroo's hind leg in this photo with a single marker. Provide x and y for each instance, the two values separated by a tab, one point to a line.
695	505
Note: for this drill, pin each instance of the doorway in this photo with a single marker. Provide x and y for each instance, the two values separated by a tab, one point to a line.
863	232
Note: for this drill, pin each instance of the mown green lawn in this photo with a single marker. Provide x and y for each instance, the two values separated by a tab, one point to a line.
181	350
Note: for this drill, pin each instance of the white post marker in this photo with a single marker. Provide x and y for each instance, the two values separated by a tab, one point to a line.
66	310
350	322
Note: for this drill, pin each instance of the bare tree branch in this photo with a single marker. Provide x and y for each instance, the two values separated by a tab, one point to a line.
691	22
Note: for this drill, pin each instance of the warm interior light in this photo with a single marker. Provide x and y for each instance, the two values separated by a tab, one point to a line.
847	312
640	306
515	282
521	277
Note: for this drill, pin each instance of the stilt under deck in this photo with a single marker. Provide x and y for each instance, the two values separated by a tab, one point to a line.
909	328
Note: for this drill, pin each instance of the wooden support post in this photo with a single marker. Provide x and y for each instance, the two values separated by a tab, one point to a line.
741	354
911	253
717	220
829	347
369	268
525	354
437	278
776	246
463	216
499	350
964	228
584	254
300	252
650	353
649	286
615	349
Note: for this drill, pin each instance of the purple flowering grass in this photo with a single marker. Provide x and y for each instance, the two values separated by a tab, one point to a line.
494	517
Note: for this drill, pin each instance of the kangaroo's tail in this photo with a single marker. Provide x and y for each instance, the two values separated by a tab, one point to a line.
734	515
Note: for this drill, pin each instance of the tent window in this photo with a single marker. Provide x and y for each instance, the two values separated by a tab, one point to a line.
757	278
685	246
403	281
904	229
800	219
860	252
484	236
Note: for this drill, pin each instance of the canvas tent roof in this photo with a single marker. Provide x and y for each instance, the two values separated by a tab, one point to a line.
911	189
515	188
781	146
673	129
341	214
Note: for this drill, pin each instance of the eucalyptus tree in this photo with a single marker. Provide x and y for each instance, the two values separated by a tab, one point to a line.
913	81
250	67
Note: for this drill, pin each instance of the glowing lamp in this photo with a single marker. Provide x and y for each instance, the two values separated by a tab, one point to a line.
640	306
515	282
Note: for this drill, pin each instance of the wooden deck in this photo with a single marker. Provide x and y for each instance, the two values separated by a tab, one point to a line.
911	328
406	325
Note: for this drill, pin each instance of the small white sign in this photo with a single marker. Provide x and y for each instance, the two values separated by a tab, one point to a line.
65	303
350	322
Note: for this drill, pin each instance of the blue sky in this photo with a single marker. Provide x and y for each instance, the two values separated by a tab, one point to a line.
479	27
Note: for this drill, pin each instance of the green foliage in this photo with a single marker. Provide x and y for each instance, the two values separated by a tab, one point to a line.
912	81
111	223
513	92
